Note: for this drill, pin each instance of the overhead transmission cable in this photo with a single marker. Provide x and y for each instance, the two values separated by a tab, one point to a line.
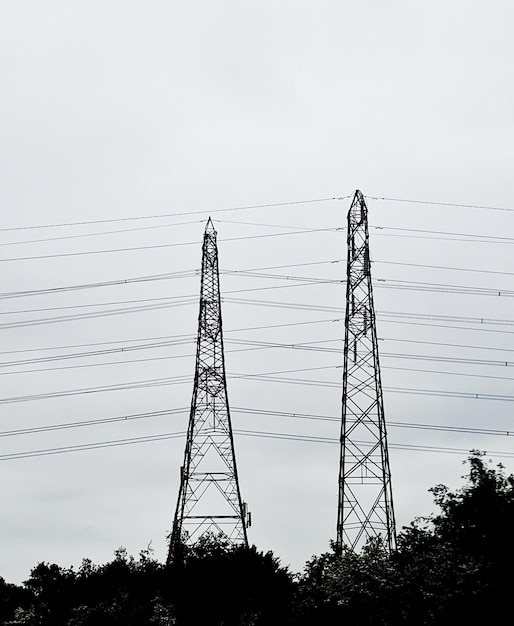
245	411
248	346
250	207
420	234
163	245
99	234
442	267
177	214
274	377
143	304
383	314
210	211
171	337
314	346
146	279
444	204
243	272
239	432
411	233
107	283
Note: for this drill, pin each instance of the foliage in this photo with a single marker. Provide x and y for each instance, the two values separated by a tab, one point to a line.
230	585
451	567
354	587
456	565
124	591
15	601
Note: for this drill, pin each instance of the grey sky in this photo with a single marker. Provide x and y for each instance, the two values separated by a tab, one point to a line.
115	110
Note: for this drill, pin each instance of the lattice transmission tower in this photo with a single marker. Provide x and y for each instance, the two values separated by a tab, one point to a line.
209	499
365	493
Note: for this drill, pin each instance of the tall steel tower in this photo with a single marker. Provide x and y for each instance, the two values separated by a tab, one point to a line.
209	500
365	494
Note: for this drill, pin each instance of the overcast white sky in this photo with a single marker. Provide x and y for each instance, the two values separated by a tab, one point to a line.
125	111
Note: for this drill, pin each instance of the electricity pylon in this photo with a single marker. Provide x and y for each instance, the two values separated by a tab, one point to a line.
365	493
209	499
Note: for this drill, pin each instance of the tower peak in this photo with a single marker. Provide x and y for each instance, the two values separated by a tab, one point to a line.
209	227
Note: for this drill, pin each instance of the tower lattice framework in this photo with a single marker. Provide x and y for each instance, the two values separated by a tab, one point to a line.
209	499
365	493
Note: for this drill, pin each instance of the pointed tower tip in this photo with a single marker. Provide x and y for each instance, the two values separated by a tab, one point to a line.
209	227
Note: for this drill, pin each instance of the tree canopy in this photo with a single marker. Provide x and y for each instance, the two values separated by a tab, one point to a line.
451	567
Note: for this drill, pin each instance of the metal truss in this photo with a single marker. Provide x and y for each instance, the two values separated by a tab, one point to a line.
209	499
365	493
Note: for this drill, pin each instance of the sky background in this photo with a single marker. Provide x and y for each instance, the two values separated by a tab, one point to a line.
124	125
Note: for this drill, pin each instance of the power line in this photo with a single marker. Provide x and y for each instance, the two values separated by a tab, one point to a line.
249	433
139	384
161	303
414	425
162	246
389	283
95	422
446	345
148	278
83	235
254	346
411	285
479	238
169	337
260	224
108	283
246	272
447	359
412	233
447	318
187	339
106	351
403	390
249	346
445	204
246	208
89	446
383	314
312	279
180	214
449	326
306	281
443	267
245	411
333	440
155	304
263	377
446	373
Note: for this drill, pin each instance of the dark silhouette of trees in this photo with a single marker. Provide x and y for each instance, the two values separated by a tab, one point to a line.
214	584
457	565
124	591
353	588
219	584
450	568
13	600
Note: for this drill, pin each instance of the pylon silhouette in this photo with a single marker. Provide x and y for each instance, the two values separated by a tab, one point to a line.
365	507
209	499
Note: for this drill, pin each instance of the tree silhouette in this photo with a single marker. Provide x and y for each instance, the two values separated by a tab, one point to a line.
452	567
